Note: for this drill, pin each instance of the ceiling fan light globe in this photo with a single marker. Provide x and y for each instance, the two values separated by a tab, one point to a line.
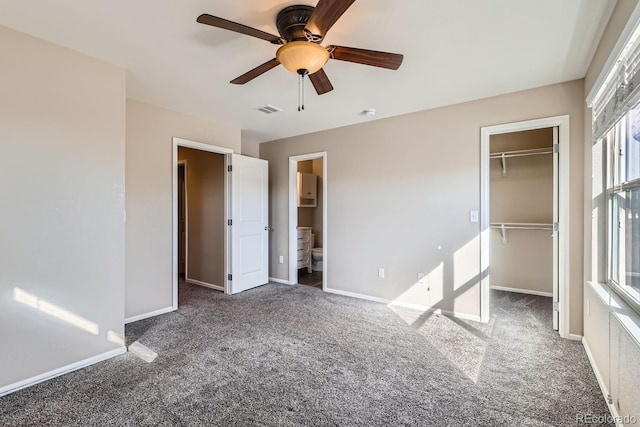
302	55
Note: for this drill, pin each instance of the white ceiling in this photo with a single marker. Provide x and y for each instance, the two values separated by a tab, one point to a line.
455	51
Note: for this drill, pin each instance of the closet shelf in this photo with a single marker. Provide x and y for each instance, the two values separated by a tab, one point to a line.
504	226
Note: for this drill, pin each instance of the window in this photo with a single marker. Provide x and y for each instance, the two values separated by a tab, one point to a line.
623	193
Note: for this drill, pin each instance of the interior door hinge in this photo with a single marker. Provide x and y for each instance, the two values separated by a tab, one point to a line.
230	168
556	306
556	148
229	277
229	222
556	226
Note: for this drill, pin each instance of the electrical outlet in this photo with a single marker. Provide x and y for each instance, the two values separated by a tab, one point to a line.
473	216
281	259
381	273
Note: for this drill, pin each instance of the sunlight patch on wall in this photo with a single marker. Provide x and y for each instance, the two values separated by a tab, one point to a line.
31	300
424	293
115	338
465	263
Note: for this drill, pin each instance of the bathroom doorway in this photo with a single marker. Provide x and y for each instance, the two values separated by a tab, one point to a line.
308	220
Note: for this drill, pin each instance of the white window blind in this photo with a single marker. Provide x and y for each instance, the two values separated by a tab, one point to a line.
618	88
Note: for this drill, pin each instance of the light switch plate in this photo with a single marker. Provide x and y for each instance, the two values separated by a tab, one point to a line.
473	216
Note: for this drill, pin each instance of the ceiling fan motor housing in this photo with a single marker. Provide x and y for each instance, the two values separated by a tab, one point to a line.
291	22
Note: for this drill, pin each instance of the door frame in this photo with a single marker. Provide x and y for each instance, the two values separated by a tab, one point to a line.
293	216
563	124
183	163
180	142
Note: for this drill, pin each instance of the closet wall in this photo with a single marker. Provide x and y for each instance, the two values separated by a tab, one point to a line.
524	262
205	216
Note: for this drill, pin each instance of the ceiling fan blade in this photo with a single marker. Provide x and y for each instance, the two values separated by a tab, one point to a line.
258	71
391	61
214	21
321	82
326	13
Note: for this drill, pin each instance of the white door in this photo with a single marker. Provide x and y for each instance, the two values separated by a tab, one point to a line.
556	235
249	223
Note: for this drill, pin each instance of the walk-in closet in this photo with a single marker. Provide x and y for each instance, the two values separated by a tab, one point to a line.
523	210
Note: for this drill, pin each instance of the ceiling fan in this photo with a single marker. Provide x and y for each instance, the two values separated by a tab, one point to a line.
302	28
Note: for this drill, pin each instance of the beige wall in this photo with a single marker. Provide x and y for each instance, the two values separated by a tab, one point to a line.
400	191
205	215
62	252
615	357
251	149
525	195
150	130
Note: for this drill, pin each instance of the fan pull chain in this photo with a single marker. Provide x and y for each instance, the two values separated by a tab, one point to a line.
301	92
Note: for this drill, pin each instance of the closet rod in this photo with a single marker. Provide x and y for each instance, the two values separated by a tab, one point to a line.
521	226
503	227
521	153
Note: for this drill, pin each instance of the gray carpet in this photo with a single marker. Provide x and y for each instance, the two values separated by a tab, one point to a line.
290	356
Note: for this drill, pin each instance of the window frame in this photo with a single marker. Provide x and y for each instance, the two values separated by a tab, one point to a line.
615	140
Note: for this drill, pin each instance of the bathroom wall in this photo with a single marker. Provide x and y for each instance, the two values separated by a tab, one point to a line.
316	167
305	215
312	217
525	195
205	215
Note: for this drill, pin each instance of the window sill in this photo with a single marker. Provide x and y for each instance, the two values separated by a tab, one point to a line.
623	312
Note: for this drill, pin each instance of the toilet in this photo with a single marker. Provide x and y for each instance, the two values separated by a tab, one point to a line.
316	255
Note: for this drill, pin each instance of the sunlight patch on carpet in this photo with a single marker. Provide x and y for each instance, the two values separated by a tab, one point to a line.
143	352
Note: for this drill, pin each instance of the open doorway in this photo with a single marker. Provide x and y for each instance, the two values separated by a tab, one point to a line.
308	220
182	220
201	217
240	230
524	208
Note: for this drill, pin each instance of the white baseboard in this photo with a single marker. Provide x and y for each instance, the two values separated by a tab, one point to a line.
284	282
601	383
523	291
457	315
575	337
354	295
205	284
61	371
149	314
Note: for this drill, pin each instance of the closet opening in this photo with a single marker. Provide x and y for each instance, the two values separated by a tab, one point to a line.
201	218
308	220
200	204
524	220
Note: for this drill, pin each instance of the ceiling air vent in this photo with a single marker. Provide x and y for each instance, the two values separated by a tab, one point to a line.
269	109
